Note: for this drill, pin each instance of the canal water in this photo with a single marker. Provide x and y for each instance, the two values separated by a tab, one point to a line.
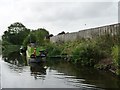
54	73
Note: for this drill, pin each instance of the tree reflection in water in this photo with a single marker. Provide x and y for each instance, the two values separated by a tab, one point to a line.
14	58
17	59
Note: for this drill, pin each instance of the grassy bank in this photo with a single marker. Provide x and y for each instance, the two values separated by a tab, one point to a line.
101	52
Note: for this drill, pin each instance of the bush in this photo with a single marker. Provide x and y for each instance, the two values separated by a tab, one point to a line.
87	54
115	55
68	47
116	58
105	43
53	50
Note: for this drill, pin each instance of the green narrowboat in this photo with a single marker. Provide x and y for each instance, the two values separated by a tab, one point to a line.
35	53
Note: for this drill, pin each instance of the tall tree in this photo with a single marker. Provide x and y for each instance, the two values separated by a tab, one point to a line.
41	33
16	33
36	36
31	38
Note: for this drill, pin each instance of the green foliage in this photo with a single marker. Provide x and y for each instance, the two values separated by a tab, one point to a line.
104	43
116	58
36	36
118	71
53	50
41	33
10	48
69	47
15	34
31	38
115	55
87	54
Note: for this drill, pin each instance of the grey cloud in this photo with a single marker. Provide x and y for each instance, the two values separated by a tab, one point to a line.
70	11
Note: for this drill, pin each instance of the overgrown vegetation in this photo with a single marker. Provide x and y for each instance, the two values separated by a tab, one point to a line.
116	58
53	50
87	54
101	52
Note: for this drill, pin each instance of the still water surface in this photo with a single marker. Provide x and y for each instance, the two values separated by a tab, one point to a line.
54	74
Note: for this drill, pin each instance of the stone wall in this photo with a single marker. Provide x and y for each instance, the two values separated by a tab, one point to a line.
88	33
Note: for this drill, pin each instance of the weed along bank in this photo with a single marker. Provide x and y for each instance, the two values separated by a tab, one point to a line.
96	47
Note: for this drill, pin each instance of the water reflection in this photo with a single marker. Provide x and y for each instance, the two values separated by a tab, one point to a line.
15	58
18	61
89	77
54	73
38	70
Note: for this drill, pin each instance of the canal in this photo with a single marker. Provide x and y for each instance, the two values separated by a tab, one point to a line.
54	73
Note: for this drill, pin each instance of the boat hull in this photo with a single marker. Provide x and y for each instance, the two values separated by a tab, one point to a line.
36	60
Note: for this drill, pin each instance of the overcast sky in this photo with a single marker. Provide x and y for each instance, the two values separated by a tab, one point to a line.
58	15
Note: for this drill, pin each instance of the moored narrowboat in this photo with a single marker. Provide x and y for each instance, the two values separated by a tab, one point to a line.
35	54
